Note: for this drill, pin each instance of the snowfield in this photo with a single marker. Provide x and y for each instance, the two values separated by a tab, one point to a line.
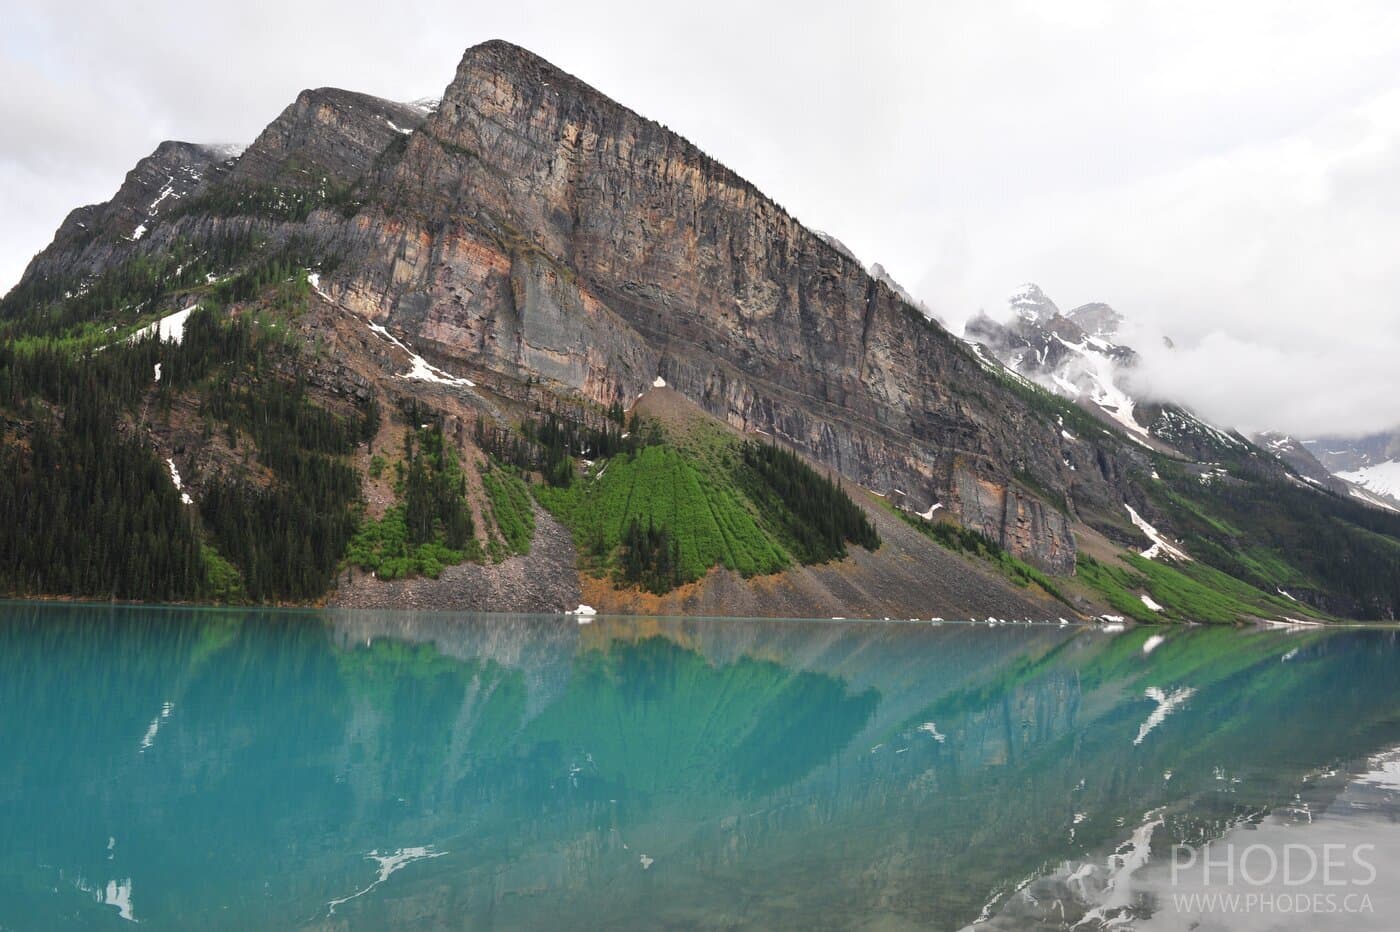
169	329
1382	478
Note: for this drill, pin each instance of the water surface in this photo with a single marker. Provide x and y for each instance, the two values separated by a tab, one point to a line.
253	769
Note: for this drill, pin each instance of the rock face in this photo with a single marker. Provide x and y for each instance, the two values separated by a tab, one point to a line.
1297	455
326	136
533	227
529	231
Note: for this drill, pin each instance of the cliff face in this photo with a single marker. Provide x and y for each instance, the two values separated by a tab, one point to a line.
533	227
531	231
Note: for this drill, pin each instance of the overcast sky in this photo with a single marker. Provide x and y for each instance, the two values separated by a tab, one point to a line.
1226	173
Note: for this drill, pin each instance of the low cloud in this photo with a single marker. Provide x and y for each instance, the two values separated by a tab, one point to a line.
1339	387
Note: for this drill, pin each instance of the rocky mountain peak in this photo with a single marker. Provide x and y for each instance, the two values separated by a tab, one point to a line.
1031	303
326	135
1096	319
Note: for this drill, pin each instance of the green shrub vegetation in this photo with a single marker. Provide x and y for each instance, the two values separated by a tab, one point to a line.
550	443
431	526
1186	591
1116	585
1274	534
511	508
662	513
384	547
706	517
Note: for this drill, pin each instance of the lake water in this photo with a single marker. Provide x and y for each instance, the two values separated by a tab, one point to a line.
231	769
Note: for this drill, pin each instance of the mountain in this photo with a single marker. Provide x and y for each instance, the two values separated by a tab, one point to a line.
1371	462
526	346
1072	355
1067	353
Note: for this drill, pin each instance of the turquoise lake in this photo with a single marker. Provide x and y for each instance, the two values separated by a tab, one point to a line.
250	769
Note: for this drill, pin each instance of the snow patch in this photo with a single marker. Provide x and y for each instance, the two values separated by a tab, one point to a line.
169	329
1160	545
139	232
1381	478
419	368
1147	600
658	382
175	473
1125	861
167	191
928	515
1371	499
1092	373
118	894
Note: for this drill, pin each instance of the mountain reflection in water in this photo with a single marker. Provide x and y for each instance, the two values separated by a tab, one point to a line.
248	768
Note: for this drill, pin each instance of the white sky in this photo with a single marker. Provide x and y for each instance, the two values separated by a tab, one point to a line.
1227	173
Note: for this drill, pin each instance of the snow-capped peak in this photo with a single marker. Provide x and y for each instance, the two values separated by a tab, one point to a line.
1054	350
1030	303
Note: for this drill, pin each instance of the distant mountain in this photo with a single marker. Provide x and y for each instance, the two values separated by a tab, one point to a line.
1366	470
1371	462
522	348
1072	354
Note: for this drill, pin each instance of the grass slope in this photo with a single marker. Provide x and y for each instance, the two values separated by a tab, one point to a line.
1186	591
658	485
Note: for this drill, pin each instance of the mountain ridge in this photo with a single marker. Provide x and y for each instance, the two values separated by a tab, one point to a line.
531	250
